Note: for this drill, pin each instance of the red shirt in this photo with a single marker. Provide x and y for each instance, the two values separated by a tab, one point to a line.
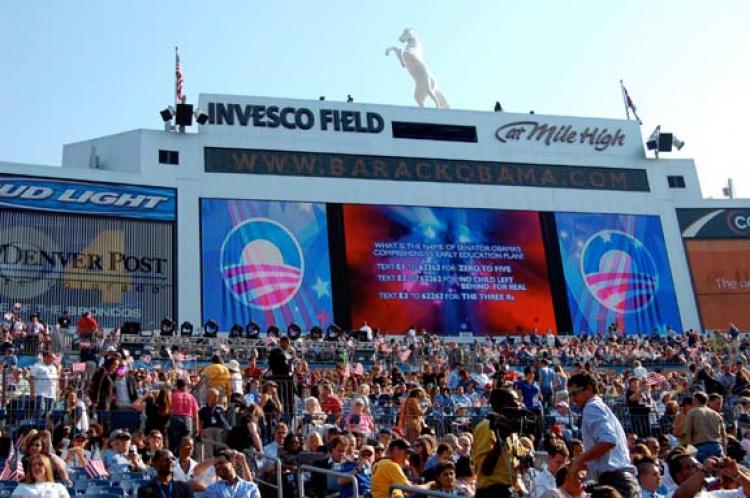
87	325
184	404
253	372
332	404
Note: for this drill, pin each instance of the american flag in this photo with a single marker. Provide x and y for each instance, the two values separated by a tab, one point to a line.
13	468
94	467
629	104
179	80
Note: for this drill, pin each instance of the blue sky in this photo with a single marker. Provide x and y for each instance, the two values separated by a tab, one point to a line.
81	69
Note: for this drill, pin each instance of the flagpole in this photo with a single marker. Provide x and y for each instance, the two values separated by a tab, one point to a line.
176	78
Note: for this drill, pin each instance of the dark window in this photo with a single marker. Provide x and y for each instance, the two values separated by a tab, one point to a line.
676	181
169	157
432	131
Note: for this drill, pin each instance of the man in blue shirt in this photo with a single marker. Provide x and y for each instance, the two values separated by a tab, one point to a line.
546	375
230	485
605	446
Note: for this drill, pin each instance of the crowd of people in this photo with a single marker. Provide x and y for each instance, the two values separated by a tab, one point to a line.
541	416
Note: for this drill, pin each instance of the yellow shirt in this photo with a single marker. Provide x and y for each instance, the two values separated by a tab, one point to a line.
385	473
218	376
503	473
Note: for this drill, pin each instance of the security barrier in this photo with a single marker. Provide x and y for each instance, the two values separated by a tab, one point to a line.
313	470
256	459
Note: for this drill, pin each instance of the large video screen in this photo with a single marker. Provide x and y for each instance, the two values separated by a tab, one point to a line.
119	269
721	278
447	270
265	262
617	271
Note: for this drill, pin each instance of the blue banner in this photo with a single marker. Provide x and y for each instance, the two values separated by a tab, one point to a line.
98	199
617	272
265	262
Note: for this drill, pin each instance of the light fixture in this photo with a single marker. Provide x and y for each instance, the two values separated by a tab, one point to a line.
200	117
186	329
210	328
663	142
498	107
167	326
293	331
316	333
252	330
333	332
349	98
272	331
236	331
184	115
167	114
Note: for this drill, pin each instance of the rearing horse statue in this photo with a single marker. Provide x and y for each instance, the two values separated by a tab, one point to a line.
411	58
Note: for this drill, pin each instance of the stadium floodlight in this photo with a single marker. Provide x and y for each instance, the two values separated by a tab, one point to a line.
167	114
200	117
659	141
498	107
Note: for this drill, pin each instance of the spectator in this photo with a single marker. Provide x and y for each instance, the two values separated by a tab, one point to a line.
122	457
557	457
359	420
184	419
649	477
569	483
184	465
389	471
86	326
40	481
704	429
211	422
606	448
218	376
231	485
164	485
235	377
44	378
322	484
102	387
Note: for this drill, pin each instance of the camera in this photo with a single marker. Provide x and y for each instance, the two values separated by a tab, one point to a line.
512	420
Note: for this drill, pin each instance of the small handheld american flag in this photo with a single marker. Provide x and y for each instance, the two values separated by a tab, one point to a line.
95	467
13	468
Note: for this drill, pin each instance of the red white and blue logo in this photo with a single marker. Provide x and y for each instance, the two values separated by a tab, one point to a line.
619	271
262	264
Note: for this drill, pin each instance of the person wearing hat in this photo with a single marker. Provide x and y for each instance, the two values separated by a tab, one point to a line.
389	471
235	376
44	380
122	457
163	485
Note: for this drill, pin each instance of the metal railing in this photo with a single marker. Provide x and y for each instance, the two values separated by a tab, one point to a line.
255	458
333	473
417	490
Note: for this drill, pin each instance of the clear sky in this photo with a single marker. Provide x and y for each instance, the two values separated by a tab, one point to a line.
73	70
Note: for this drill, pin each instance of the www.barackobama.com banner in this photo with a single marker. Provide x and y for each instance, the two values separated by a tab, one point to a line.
119	269
265	262
617	271
447	270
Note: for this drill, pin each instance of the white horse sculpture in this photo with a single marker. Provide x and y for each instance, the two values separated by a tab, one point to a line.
411	58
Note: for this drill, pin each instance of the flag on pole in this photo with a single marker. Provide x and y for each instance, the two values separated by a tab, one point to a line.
95	467
179	80
13	468
629	104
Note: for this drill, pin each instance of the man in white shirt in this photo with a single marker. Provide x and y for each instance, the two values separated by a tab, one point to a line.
639	371
44	380
544	480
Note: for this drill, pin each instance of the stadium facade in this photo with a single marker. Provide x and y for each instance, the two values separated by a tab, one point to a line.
285	211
